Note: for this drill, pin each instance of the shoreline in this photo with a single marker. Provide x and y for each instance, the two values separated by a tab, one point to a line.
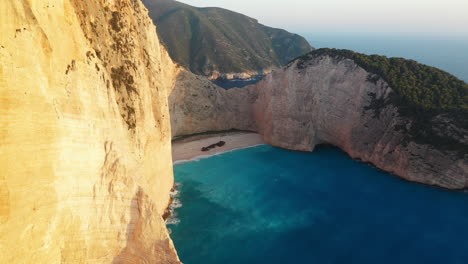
189	148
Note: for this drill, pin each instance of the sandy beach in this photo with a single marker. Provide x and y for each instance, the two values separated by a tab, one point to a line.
189	148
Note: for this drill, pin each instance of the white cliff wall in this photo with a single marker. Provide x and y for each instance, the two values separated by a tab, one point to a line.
197	105
85	154
329	101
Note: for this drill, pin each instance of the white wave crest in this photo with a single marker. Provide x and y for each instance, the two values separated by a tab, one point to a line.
176	203
173	221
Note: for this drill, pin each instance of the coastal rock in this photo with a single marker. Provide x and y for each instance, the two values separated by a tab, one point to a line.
86	167
85	132
328	101
197	105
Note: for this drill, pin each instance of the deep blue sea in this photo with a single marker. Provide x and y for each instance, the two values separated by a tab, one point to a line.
269	205
449	53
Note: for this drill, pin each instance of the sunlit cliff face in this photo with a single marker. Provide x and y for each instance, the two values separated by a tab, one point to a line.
85	134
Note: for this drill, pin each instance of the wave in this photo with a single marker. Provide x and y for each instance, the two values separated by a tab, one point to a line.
175	191
176	203
172	221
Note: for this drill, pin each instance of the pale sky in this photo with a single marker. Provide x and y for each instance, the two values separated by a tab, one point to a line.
433	17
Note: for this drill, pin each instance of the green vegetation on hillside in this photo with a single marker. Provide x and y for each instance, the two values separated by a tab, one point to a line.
417	85
435	101
214	39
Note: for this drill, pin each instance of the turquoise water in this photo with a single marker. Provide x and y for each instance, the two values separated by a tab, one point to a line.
268	205
449	53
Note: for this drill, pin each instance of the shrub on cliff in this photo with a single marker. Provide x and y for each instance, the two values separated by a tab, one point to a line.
418	86
435	101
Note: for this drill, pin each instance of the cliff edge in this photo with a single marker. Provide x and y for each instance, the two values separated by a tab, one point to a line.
328	98
85	147
332	100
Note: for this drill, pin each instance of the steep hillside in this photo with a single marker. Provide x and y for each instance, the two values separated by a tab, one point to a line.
209	41
329	98
85	150
429	97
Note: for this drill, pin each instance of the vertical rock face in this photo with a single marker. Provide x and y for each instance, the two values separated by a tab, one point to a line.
197	105
322	103
329	101
85	155
332	101
84	133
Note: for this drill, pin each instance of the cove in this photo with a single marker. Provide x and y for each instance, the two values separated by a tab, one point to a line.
269	205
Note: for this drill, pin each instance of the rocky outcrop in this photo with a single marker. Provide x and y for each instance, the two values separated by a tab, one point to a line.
326	101
332	101
197	105
85	149
85	132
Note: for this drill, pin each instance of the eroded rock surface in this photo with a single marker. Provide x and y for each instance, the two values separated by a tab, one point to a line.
332	101
197	105
328	101
85	150
86	169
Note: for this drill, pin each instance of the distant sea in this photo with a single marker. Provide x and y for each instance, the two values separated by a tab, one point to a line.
449	53
266	205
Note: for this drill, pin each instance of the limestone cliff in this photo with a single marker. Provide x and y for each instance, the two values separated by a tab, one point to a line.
326	101
84	133
331	101
197	105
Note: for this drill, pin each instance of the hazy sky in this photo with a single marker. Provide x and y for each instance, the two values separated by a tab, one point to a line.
434	17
